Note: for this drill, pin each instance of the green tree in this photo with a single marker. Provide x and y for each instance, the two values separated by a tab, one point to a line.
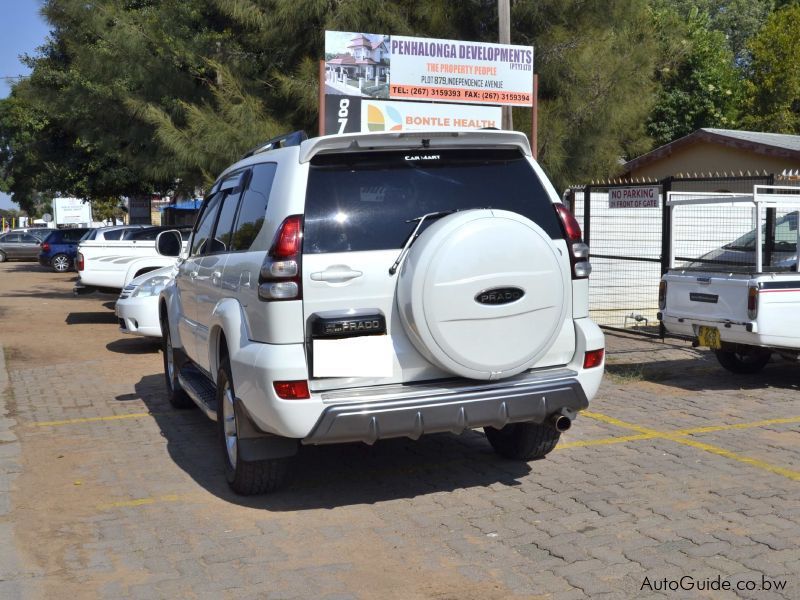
595	63
773	88
699	83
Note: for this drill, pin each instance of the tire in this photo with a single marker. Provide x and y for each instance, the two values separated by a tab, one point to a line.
61	263
745	360
2	257
246	478
177	396
523	441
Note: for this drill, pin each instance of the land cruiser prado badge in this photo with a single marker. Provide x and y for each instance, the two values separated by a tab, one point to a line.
504	295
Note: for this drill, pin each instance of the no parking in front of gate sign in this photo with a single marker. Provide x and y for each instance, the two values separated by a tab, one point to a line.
634	197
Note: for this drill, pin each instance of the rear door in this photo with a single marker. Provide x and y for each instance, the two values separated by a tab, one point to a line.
29	247
209	263
360	211
12	244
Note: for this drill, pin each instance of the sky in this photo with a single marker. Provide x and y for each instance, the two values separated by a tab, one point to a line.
22	30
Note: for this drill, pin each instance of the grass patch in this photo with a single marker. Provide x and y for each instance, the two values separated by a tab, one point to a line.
631	373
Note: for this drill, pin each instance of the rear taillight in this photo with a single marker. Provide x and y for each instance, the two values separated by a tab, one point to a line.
79	262
45	247
662	295
593	358
292	390
280	273
578	251
752	302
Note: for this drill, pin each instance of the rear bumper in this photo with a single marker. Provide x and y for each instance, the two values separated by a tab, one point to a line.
397	411
749	333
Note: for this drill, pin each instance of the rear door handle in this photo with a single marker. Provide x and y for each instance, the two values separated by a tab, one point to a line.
337	273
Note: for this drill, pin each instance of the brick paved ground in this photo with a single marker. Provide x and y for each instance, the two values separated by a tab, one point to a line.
679	469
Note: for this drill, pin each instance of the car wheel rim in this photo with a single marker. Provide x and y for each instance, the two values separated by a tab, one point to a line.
229	424
60	263
170	361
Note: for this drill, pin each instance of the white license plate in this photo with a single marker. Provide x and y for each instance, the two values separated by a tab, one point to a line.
363	356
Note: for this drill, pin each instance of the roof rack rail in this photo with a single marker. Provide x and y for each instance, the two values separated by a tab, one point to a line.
294	138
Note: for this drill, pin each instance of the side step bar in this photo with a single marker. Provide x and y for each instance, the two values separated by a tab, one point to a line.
200	389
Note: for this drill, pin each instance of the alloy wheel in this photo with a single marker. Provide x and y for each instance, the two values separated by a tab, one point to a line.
229	423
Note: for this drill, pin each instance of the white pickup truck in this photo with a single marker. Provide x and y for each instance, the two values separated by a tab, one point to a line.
741	298
108	266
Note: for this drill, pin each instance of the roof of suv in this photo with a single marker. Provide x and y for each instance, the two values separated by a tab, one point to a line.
427	140
422	140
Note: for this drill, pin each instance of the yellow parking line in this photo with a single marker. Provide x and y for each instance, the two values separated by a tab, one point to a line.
608	441
713	428
92	419
619	423
760	464
680	437
141	501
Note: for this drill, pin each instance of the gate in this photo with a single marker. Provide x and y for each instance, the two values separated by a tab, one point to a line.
628	234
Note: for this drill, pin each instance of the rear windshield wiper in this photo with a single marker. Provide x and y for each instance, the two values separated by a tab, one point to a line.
416	233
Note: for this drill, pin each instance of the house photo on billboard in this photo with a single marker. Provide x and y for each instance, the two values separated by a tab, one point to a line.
357	64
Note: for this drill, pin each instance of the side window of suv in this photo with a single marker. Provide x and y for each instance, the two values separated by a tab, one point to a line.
205	225
248	234
227	213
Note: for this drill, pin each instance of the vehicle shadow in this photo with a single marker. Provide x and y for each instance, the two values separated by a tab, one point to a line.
40	293
335	475
706	374
24	267
135	345
90	318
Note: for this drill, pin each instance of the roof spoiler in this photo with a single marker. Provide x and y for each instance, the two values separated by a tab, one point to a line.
355	142
295	138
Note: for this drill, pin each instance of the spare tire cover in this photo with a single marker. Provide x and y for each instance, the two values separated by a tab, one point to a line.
481	293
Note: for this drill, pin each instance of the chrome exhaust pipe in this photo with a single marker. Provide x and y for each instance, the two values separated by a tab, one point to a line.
562	420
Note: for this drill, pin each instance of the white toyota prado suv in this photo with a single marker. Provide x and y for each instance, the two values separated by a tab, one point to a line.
359	287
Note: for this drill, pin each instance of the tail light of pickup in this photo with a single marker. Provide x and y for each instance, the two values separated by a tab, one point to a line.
79	262
752	301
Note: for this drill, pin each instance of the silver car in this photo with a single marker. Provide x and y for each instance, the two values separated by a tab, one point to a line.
21	245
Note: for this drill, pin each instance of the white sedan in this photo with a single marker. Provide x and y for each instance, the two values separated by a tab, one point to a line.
137	306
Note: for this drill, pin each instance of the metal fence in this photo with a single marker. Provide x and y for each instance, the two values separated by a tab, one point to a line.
627	227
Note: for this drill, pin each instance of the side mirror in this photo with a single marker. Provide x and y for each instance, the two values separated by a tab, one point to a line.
169	243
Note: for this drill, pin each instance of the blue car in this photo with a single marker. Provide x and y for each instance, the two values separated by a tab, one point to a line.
60	248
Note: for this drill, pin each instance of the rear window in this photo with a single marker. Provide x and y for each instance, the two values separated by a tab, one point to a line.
73	235
362	201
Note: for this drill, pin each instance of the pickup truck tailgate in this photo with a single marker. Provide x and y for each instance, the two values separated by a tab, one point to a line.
707	296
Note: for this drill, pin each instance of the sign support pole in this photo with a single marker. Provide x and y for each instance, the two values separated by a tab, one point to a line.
504	22
535	118
321	128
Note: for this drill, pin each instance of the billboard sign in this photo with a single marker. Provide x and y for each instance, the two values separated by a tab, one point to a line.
71	211
454	71
380	115
406	68
634	197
